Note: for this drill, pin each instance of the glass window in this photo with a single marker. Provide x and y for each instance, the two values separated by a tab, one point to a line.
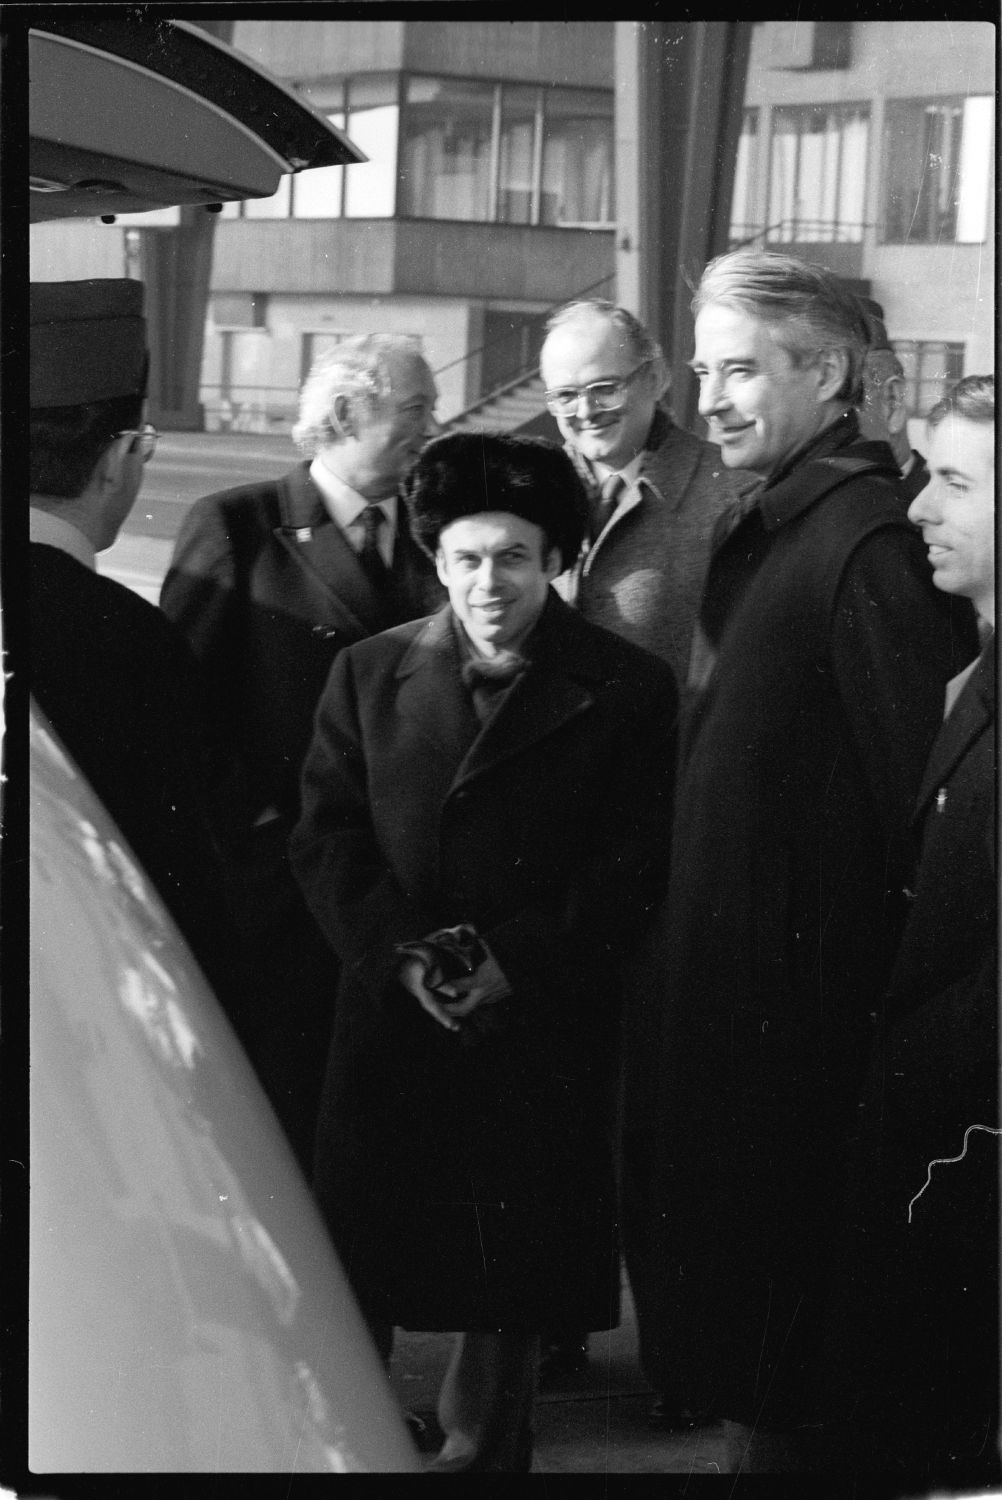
446	152
931	366
817	176
373	125
577	178
317	192
517	165
744	200
938	156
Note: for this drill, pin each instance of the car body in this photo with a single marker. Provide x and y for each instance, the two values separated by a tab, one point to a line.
187	1311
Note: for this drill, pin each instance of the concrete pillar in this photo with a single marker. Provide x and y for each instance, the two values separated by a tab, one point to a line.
679	100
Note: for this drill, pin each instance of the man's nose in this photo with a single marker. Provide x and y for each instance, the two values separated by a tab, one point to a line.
924	509
711	395
432	426
486	574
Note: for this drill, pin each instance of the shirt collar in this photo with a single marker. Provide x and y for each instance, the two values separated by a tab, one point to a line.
633	472
343	504
52	531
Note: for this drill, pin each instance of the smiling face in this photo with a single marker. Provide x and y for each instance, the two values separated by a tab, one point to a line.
759	405
956	510
591	349
380	441
497	571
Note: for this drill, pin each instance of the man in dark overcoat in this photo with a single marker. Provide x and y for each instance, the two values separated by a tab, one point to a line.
115	680
508	766
823	655
915	1338
269	582
655	492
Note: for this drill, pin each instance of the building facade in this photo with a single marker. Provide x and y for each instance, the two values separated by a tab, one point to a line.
489	196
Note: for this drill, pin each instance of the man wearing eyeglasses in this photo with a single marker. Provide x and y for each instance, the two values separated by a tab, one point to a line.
115	679
656	490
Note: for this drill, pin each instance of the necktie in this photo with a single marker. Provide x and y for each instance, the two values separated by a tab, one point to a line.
612	489
489	678
371	558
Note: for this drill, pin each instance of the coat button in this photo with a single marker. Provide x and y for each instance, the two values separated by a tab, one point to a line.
325	632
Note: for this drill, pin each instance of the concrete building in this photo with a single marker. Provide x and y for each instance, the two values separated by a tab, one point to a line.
490	196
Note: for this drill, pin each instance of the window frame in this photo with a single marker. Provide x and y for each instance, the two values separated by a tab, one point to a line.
940	102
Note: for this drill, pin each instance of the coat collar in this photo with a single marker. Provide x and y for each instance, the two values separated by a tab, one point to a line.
972	714
326	559
839	451
556	688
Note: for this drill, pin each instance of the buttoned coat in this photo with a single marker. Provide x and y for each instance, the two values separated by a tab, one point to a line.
468	1183
268	590
916	1337
801	760
643	575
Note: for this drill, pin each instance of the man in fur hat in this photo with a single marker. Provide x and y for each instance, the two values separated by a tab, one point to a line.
486	805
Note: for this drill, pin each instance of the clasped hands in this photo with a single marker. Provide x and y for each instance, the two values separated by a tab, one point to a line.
449	997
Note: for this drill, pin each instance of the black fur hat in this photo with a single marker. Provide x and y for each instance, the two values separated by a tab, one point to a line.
467	473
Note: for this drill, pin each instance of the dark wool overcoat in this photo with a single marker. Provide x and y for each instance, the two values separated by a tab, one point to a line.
468	1179
828	654
268	590
916	1334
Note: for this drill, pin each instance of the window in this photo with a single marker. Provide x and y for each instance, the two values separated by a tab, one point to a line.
446	150
577	186
314	344
930	367
817	173
744	200
373	124
510	153
938	157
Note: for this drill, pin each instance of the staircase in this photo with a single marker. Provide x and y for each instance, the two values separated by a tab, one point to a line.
516	407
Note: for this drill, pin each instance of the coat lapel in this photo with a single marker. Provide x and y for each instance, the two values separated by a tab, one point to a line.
327	561
432	695
972	714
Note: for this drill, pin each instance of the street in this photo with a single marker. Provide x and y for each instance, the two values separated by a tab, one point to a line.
185	466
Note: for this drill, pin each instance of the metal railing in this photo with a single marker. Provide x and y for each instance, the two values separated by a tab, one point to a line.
795	230
242	407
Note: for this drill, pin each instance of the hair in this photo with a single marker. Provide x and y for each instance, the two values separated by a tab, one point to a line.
808	309
972	398
358	368
642	343
892	367
466	473
65	442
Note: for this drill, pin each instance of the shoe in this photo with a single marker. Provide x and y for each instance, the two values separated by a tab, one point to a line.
563	1360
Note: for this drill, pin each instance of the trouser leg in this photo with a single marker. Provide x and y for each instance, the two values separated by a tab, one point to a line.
486	1402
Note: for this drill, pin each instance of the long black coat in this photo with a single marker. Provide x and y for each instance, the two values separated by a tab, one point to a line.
121	688
471	1186
915	1338
803	755
268	591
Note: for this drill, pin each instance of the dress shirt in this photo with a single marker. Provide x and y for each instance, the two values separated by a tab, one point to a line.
345	506
53	531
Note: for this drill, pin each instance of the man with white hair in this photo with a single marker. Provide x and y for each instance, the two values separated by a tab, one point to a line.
269	582
826	653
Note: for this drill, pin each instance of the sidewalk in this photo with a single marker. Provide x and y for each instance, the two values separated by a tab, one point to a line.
600	1425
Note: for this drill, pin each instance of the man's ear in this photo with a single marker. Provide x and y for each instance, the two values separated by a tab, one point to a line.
553	563
895	408
833	367
108	470
443	577
342	420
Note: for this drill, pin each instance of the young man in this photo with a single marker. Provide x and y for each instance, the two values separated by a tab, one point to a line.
269	582
500	772
826	651
917	1337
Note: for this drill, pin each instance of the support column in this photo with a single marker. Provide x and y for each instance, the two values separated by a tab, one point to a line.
679	100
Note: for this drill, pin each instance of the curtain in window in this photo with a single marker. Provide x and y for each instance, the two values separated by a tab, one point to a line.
446	153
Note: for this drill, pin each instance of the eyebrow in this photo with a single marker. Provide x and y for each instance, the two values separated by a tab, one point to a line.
737	359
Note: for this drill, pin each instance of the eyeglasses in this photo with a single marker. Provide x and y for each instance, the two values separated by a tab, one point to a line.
603	395
144	440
